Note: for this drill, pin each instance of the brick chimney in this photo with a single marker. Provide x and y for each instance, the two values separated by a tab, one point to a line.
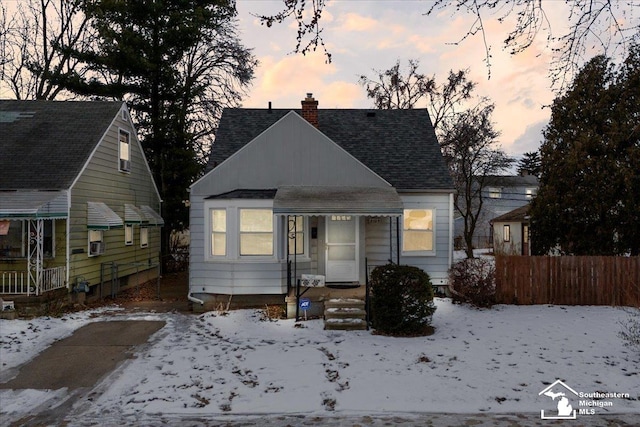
310	109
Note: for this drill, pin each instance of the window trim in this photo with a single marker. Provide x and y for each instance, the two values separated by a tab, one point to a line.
144	237
232	207
124	164
129	228
101	247
410	253
211	255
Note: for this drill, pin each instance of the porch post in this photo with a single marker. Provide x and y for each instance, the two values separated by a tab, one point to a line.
35	253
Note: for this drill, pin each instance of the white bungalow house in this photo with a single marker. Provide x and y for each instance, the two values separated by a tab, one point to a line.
78	204
327	192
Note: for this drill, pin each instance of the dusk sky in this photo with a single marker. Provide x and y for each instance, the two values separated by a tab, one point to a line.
373	34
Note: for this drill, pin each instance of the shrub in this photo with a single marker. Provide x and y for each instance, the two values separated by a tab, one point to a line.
473	281
630	332
402	300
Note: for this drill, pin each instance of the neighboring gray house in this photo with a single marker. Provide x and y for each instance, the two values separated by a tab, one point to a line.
76	198
329	189
501	194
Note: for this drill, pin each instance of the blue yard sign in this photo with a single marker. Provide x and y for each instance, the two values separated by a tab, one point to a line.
305	303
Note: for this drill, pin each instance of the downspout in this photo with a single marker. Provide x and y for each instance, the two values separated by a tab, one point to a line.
398	240
450	229
194	299
68	237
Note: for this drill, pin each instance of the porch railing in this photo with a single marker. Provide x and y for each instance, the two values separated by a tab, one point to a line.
53	278
17	282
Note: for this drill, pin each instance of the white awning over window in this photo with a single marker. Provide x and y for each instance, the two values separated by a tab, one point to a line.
101	217
152	216
134	215
312	200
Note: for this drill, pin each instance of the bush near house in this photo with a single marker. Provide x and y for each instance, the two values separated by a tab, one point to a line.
473	281
402	300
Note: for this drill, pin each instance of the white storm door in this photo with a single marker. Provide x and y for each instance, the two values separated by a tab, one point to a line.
341	248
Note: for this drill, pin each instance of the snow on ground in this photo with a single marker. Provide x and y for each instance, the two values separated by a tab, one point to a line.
492	361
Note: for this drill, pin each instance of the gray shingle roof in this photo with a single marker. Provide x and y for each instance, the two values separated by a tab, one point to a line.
45	144
517	215
399	145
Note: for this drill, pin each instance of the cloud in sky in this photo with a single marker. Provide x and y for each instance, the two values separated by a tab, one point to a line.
371	35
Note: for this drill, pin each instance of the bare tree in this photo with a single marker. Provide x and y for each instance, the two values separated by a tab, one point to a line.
467	136
398	89
602	25
35	43
468	145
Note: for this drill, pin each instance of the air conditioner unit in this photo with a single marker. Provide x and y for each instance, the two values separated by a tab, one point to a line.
125	165
96	248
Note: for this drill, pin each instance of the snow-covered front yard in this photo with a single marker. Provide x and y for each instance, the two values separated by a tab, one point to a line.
495	361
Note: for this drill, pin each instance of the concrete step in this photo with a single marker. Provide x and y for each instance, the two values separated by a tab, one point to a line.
347	324
344	313
344	302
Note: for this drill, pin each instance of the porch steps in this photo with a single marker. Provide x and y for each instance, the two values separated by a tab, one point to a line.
345	314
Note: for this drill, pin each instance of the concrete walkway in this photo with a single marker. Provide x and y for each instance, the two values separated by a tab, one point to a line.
83	358
78	363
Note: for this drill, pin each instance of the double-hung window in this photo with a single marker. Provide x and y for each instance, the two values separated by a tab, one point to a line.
256	232
128	234
417	231
218	219
144	237
124	143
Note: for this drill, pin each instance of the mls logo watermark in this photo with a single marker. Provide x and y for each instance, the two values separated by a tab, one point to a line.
560	393
566	400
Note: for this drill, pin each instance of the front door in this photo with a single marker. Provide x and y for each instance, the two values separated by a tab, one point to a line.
341	248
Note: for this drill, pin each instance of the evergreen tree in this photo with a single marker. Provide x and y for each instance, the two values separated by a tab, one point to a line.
176	63
529	164
588	202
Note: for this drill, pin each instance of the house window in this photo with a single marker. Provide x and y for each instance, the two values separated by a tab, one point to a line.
417	230
525	233
144	237
495	192
128	234
530	192
14	244
96	243
506	233
256	232
218	232
125	152
296	228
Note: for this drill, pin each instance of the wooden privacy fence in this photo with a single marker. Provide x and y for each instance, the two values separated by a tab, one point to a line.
568	280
